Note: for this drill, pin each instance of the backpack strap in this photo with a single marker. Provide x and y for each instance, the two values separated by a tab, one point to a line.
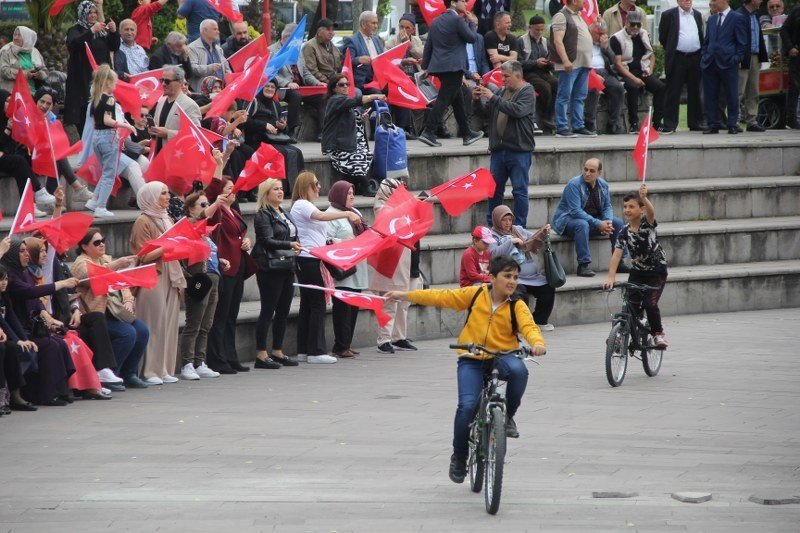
512	303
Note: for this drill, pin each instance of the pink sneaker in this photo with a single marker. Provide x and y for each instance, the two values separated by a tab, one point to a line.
660	340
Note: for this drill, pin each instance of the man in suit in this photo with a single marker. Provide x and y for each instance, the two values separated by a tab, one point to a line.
445	56
167	117
364	46
207	56
722	52
755	53
681	34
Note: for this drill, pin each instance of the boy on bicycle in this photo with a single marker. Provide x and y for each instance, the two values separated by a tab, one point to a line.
648	260
489	322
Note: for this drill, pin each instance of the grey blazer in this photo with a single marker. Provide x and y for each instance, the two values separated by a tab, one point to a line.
173	121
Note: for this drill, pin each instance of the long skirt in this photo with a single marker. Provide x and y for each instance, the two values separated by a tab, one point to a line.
55	366
159	308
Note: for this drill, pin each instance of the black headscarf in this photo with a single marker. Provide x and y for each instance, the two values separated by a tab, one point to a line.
4	95
11	258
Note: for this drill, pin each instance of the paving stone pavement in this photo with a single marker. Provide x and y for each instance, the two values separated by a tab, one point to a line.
364	445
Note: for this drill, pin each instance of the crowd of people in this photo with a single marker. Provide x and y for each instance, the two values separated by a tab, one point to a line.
134	335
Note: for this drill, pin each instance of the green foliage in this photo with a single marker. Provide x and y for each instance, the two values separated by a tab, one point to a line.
384	7
7	28
164	21
658	51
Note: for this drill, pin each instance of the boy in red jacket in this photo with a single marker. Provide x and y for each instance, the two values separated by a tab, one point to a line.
475	259
143	17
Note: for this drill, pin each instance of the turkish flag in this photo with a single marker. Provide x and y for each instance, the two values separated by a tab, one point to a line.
494	77
647	134
90	56
62	232
249	53
385	64
266	162
85	376
363	301
312	90
25	215
91	170
227	8
53	147
385	262
405	217
150	87
347	70
243	87
457	195
185	158
202	228
595	81
57	6
129	98
28	125
349	253
181	241
103	280
406	94
431	9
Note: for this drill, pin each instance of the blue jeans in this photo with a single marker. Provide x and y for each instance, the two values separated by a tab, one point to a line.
580	231
129	342
106	148
572	91
505	164
470	384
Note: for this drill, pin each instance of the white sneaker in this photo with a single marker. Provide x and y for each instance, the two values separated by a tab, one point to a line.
187	372
107	376
105	391
91	204
204	372
547	327
38	213
170	379
155	380
321	359
82	195
102	212
43	197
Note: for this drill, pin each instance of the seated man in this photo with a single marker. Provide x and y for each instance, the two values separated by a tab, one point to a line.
490	321
501	45
538	69
585	210
634	61
602	64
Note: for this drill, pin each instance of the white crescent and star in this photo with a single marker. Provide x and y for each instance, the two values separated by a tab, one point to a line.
406	95
334	254
393	227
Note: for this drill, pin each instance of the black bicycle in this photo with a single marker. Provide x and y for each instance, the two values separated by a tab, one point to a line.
487	432
630	336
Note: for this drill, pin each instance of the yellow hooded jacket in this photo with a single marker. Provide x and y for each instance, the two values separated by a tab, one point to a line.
484	326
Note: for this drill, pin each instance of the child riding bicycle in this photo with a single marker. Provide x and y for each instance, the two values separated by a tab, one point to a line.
489	322
648	260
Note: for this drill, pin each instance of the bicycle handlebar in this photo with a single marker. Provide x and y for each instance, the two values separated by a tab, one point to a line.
477	349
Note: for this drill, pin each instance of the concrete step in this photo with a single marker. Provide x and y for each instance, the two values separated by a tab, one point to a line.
689	290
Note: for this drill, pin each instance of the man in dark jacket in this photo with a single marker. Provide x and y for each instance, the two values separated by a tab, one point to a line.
237	40
445	55
755	54
511	143
174	52
790	38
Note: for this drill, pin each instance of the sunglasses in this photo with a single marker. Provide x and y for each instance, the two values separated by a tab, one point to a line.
635	24
343	84
166	81
99	242
203	204
316	184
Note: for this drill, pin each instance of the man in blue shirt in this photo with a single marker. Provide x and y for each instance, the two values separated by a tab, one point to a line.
751	65
195	12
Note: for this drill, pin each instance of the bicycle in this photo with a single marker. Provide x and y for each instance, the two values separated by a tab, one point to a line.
487	431
630	335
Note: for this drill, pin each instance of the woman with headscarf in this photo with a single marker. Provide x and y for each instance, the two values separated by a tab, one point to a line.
266	123
341	197
20	54
392	335
160	306
13	355
102	39
14	160
521	244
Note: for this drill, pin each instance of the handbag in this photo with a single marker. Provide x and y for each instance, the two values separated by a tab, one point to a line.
281	259
553	270
115	305
339	274
198	285
39	328
277	138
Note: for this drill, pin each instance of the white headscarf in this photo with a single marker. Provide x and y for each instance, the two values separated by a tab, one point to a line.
28	40
147	198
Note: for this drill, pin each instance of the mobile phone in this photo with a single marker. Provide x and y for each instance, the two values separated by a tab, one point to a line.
150	122
284	114
224	144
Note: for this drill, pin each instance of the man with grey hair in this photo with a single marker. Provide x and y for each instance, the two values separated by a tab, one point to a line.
166	116
511	144
206	55
130	59
364	46
173	52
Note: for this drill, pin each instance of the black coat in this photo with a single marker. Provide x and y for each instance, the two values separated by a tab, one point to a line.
339	128
272	233
668	31
163	56
79	72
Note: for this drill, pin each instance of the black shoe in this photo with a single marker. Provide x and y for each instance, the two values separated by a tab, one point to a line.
634	129
664	130
386	347
622	268
55	402
134	382
585	272
428	139
115	387
225	370
734	130
584	132
756	128
285	360
239	367
511	429
27	406
95	395
267	363
410	136
404	346
458	469
710	131
442	133
472	137
612	130
5	410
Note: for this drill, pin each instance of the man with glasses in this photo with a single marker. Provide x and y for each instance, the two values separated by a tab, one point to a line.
635	61
774	9
167	117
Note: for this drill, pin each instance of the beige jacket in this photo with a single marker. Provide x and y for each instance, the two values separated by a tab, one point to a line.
89	302
173	121
9	66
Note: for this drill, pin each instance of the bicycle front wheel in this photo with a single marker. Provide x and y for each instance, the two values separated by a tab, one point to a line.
476	462
616	355
651	356
496	456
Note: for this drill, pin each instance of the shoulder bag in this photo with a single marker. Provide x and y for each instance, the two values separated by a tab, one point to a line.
553	270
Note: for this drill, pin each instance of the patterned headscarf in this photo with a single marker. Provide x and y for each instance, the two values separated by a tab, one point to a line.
84	8
207	84
385	190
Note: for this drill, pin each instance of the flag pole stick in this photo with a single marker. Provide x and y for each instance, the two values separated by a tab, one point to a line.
647	142
21	199
325	289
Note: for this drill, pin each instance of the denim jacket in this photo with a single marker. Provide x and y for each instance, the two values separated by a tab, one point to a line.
574	197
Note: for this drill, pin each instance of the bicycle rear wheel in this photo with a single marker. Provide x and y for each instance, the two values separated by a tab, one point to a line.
496	456
651	357
616	355
476	462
